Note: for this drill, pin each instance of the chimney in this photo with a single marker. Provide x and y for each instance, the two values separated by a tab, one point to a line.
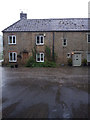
23	15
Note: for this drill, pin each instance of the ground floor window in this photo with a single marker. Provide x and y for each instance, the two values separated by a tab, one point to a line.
68	55
12	57
88	57
40	57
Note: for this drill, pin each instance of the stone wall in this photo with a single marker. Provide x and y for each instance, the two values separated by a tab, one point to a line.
26	41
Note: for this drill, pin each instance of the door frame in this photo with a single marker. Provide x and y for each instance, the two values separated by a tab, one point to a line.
79	59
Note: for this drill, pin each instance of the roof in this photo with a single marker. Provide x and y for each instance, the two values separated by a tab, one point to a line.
67	24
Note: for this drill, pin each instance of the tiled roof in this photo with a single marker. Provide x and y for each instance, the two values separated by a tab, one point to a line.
67	24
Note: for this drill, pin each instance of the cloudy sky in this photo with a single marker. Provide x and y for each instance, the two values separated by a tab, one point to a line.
40	9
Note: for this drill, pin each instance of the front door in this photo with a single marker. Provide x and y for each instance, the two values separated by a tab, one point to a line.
25	57
76	59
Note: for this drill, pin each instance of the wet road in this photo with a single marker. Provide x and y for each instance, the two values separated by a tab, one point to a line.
45	92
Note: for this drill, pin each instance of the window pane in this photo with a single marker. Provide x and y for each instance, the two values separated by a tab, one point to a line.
13	39
42	57
41	39
11	56
64	40
14	56
88	38
37	39
64	43
10	39
38	57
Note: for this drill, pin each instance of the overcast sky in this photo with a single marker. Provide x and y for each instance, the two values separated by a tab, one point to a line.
40	9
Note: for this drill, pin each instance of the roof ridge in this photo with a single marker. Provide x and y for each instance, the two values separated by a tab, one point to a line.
56	18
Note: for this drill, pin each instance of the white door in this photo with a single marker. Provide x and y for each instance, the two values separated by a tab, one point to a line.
77	59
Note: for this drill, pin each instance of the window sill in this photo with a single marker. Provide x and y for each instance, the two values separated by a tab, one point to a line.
40	61
12	61
64	46
11	44
39	44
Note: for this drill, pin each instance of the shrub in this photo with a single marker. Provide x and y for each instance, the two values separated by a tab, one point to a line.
84	62
34	52
70	61
30	62
50	57
45	64
48	53
49	64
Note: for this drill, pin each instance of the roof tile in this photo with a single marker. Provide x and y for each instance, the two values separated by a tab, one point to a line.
67	24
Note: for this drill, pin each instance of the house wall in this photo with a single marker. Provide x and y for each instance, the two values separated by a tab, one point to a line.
76	41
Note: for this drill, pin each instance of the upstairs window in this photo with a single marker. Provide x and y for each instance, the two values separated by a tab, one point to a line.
40	40
12	57
12	39
40	57
64	42
88	38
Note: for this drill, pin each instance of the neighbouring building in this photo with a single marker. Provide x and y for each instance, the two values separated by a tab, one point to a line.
1	48
67	38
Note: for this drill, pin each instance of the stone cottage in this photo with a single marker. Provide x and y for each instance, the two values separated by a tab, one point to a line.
67	38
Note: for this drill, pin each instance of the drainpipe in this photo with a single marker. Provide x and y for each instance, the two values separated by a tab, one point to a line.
53	47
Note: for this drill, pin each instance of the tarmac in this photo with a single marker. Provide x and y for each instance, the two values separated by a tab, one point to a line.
45	92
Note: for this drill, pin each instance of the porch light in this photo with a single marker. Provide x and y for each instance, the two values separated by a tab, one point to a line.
72	53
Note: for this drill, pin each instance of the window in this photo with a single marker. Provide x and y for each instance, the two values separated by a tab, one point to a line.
40	57
68	55
12	39
88	38
88	57
64	42
12	57
40	40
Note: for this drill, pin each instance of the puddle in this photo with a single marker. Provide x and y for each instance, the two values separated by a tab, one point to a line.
8	110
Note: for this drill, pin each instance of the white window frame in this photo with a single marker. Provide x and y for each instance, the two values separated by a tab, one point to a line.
40	57
69	55
39	40
63	42
88	57
87	37
11	39
12	57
